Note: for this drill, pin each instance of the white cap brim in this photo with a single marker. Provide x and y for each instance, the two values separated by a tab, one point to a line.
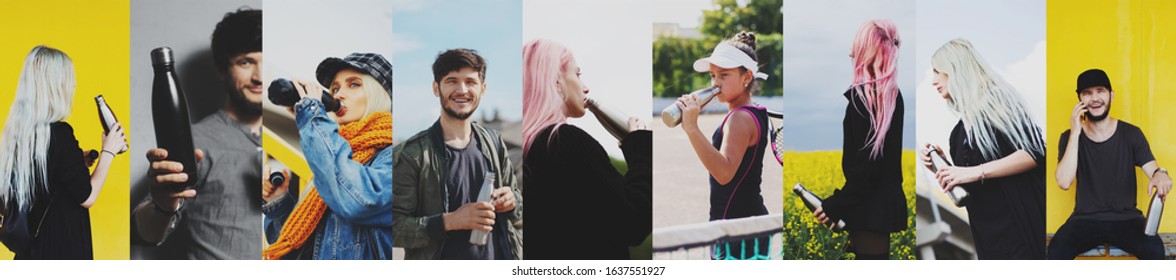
703	65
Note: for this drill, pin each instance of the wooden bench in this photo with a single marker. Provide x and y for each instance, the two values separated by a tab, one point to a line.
1106	251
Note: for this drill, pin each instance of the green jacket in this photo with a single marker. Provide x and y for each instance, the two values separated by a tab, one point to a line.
419	165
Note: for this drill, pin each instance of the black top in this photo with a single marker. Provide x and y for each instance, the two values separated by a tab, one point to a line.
578	205
872	198
65	233
1106	173
741	196
1007	214
467	173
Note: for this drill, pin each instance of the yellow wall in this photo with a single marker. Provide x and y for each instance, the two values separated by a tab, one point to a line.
1134	41
95	34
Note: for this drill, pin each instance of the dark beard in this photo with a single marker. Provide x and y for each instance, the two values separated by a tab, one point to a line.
457	115
1094	118
242	105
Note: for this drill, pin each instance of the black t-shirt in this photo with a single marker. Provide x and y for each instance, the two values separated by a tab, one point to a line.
463	182
1106	173
65	232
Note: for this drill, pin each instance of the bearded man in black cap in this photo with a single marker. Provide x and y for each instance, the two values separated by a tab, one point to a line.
1102	153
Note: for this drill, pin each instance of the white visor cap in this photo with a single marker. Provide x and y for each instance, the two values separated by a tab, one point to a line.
727	56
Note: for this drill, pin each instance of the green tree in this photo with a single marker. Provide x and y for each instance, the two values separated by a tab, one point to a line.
759	16
673	57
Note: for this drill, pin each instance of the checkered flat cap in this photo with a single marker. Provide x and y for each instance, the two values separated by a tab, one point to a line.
368	63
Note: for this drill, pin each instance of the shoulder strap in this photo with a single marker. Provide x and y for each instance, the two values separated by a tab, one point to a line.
756	150
37	230
491	142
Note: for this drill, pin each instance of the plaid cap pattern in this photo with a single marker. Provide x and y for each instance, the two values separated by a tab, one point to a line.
369	63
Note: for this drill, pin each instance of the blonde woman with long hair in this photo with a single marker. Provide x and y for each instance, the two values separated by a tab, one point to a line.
999	155
45	174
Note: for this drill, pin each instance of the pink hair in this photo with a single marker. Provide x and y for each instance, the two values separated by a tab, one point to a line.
544	63
875	59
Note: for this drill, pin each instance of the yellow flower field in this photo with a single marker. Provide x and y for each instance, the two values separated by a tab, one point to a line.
820	172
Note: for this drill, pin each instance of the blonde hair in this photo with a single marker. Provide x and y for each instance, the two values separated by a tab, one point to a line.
44	95
379	99
985	103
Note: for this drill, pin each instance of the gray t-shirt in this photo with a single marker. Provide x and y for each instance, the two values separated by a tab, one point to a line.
467	172
1106	173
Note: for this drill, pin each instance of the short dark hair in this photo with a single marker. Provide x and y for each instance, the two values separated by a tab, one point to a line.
456	59
237	33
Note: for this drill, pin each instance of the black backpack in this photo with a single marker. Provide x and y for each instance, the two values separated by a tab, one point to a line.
14	226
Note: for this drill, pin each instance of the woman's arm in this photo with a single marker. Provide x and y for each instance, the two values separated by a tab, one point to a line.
637	192
624	200
98	178
111	143
359	193
739	132
860	170
1016	163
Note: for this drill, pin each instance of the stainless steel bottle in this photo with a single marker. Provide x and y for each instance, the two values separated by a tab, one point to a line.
169	108
957	194
614	121
1154	210
812	202
108	119
478	237
672	115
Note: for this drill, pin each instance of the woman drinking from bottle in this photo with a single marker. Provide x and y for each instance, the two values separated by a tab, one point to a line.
348	213
734	154
578	205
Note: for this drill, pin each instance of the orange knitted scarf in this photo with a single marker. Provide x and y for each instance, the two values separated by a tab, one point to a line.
367	136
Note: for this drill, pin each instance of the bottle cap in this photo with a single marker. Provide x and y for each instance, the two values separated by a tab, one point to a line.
162	55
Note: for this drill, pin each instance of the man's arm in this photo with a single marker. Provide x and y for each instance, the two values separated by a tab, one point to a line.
1068	146
410	231
1068	163
1159	181
154	225
156	217
511	181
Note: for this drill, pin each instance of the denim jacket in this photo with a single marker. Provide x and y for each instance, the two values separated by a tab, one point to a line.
358	221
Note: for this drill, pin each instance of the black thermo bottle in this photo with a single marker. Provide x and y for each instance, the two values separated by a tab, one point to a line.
173	130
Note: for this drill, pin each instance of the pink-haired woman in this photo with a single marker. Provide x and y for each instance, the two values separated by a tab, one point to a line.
871	203
578	205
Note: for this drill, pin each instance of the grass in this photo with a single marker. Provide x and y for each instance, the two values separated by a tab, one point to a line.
820	172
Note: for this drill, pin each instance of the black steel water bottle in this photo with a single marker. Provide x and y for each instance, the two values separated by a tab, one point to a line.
169	107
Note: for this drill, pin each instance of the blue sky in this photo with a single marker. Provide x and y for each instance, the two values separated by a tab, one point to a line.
426	28
817	69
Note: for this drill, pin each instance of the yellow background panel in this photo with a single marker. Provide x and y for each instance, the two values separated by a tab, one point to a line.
95	34
1134	41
